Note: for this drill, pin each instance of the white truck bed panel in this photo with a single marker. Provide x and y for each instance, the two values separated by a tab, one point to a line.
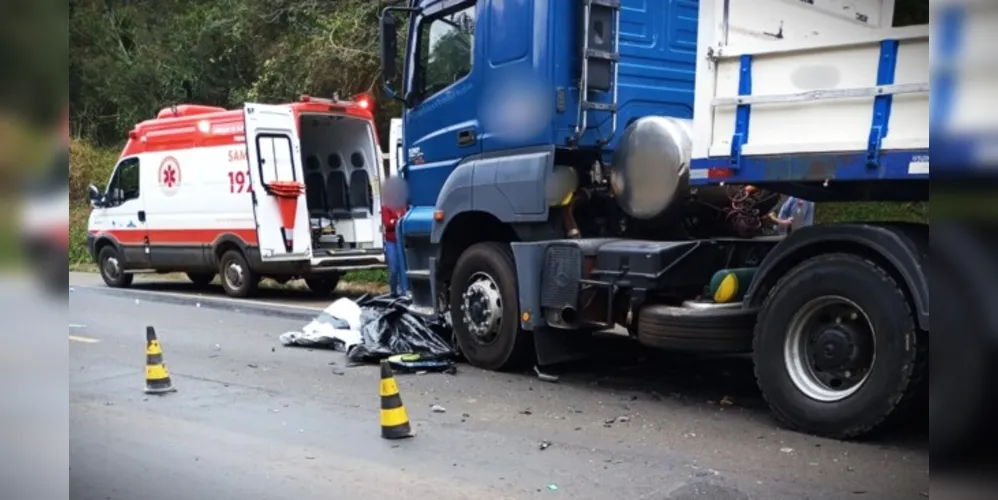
812	93
817	122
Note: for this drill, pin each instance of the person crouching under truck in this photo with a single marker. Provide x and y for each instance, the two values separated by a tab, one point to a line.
392	210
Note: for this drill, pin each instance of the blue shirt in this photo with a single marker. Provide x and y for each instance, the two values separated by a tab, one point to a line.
801	210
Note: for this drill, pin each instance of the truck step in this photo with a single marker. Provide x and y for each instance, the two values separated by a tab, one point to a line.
418	274
599	106
602	55
610	4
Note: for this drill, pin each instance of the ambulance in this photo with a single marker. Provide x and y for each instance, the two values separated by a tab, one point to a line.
278	191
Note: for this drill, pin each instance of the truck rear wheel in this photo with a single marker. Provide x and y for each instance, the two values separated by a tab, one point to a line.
238	280
836	350
962	379
484	308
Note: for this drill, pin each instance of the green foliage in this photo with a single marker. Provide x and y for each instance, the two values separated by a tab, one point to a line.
871	212
34	38
130	59
89	165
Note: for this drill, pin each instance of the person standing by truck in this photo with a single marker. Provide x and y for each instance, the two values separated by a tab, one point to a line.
393	251
794	214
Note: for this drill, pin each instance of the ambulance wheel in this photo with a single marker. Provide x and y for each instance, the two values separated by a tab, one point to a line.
238	280
201	279
324	284
111	269
485	308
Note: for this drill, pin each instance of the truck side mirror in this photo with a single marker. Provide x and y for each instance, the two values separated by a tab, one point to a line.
389	48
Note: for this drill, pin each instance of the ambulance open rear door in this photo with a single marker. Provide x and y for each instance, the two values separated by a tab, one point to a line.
273	152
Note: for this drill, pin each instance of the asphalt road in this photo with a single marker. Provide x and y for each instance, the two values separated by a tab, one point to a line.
252	419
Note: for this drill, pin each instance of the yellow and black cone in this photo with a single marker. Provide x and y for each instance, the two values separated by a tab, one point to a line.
394	419
157	376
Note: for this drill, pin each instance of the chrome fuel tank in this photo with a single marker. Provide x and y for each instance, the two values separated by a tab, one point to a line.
650	170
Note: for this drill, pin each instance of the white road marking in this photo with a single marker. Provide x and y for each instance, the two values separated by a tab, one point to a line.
227	300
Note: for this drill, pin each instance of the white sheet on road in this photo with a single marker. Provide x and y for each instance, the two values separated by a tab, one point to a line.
336	327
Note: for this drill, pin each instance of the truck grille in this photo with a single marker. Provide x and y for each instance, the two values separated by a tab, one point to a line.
560	281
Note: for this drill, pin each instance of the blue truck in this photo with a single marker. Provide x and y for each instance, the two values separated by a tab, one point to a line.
581	165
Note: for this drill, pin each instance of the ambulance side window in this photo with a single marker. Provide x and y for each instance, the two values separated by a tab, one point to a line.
276	158
124	183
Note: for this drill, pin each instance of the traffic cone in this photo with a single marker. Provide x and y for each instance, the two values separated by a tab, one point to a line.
394	419
157	376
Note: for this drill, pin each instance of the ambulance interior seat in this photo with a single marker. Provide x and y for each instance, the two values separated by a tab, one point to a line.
315	187
361	197
336	188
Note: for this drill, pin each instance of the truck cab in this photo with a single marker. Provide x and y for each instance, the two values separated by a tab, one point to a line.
583	165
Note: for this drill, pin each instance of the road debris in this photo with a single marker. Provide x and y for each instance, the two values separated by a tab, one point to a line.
374	328
616	420
419	363
438	409
545	377
544	445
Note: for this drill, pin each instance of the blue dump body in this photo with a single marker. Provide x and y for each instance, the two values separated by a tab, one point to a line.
533	45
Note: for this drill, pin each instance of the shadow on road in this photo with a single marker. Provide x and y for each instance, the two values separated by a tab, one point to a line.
264	293
619	364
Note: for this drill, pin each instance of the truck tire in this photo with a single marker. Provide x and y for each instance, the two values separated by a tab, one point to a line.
958	391
323	285
111	268
715	330
851	312
238	279
201	279
485	308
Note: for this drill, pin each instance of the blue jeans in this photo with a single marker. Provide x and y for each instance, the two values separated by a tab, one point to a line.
396	268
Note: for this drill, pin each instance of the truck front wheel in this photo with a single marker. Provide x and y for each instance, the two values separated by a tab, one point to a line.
484	308
836	350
